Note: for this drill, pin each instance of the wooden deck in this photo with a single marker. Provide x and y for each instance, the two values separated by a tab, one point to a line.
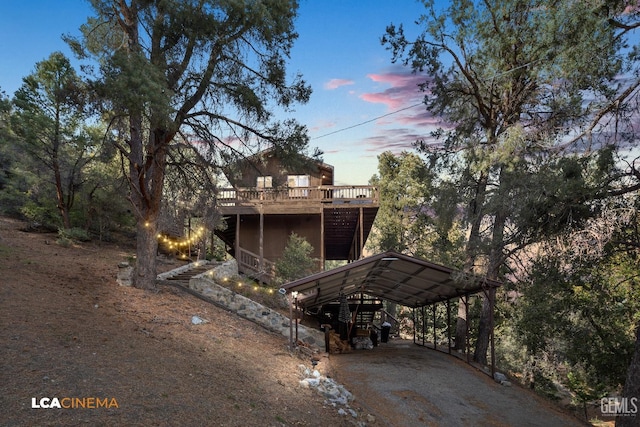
295	200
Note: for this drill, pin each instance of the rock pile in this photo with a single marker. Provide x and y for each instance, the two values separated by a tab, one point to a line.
335	394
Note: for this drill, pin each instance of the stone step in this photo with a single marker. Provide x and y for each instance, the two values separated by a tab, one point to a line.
186	275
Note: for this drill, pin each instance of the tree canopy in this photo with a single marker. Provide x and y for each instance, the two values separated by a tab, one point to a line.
51	122
190	84
533	146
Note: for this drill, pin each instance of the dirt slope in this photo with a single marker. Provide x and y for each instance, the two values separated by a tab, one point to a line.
68	330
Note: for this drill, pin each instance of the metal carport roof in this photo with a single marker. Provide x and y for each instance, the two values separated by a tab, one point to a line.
392	276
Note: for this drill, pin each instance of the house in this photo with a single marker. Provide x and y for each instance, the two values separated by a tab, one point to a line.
269	199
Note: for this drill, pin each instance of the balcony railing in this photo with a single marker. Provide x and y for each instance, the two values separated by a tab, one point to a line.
354	194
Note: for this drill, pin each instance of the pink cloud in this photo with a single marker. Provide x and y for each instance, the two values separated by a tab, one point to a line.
382	98
404	89
336	83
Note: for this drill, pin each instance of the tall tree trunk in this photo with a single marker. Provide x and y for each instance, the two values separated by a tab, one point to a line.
495	261
55	164
146	250
632	388
484	329
147	183
471	254
146	169
62	206
143	207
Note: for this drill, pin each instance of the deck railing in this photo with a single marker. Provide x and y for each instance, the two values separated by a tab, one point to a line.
325	194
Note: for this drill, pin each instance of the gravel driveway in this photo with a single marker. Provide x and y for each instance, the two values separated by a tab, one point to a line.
407	385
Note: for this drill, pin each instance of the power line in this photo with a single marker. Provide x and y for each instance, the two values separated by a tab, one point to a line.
368	121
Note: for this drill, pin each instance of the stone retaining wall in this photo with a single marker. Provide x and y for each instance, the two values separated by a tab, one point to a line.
206	285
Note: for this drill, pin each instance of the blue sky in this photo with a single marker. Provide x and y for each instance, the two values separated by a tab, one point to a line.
338	52
354	82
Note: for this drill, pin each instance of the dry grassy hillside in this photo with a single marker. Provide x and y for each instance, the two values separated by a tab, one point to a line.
68	330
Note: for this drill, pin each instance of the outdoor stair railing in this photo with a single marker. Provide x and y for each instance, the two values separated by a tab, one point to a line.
249	264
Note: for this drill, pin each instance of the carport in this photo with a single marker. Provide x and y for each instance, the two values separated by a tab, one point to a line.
402	279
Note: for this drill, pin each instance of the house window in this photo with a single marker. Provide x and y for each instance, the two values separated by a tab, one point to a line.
298	181
298	185
264	182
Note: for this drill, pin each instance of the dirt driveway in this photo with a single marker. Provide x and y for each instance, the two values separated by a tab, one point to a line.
408	385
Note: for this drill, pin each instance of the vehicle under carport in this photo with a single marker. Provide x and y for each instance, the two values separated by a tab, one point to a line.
405	280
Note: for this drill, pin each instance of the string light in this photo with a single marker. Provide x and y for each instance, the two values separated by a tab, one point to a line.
255	288
173	243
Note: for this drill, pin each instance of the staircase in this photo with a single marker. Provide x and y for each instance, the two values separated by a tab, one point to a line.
183	277
364	319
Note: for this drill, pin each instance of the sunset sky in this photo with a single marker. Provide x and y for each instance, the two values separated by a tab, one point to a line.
362	104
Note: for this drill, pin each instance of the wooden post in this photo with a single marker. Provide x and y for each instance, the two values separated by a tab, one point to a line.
189	238
237	248
361	242
261	268
322	249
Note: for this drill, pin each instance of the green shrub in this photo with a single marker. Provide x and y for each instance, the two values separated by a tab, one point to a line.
64	241
74	234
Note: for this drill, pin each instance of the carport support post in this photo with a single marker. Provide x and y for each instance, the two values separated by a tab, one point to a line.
290	322
295	296
466	331
423	325
492	301
449	324
434	326
414	325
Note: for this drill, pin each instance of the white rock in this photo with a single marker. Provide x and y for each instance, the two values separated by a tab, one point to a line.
312	382
197	320
499	377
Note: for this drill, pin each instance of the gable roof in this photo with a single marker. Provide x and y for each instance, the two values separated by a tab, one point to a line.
406	280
